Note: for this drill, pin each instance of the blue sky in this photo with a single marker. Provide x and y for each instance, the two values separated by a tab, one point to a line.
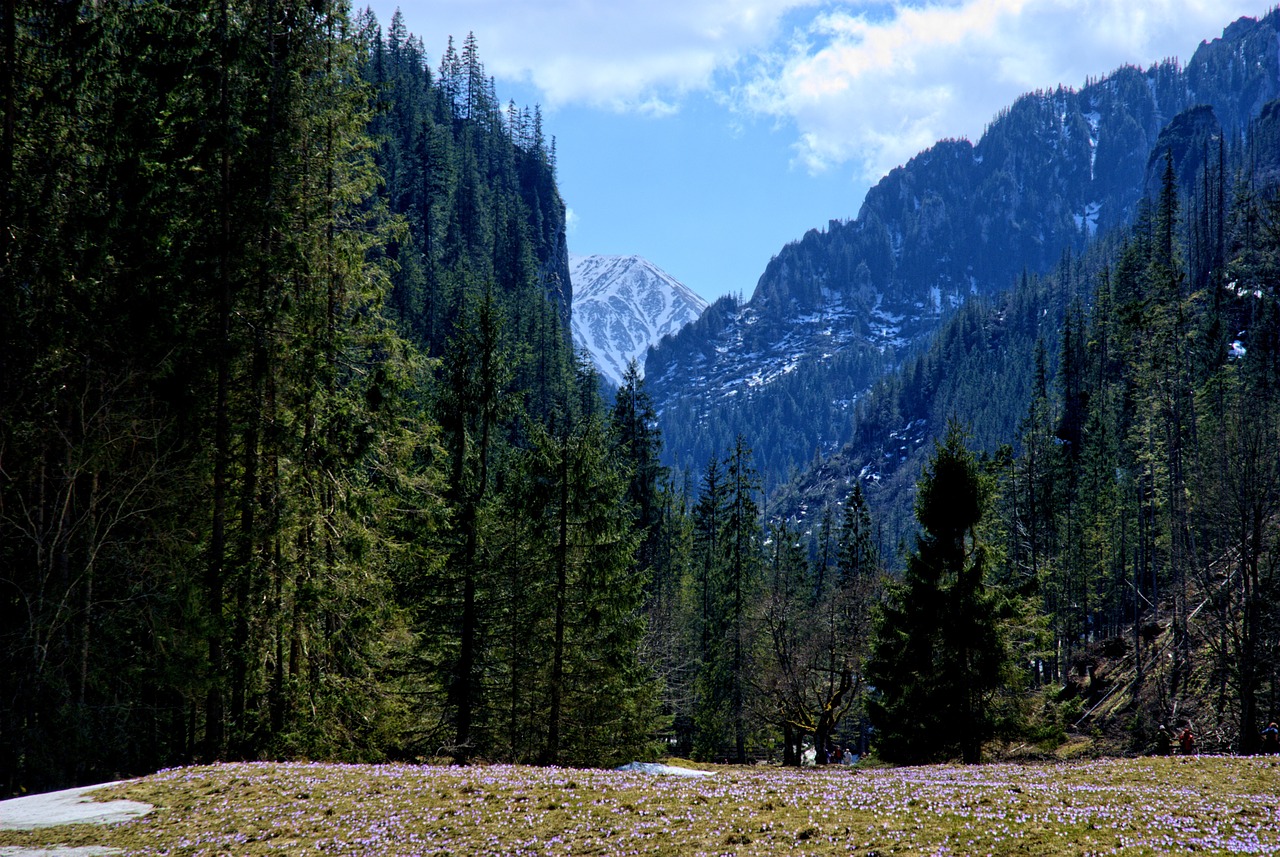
706	134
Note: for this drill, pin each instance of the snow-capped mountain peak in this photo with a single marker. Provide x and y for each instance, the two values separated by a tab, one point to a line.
624	304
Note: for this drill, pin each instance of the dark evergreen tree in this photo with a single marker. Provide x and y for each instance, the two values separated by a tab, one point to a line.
742	558
939	657
638	442
710	705
601	698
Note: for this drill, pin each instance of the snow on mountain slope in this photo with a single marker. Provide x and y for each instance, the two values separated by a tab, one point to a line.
838	307
624	304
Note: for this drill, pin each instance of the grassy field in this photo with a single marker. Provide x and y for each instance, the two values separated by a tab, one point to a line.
1200	805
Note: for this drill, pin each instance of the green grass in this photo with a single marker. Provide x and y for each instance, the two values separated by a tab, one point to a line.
1201	805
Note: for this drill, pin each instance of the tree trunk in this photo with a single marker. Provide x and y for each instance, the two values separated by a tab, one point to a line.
790	758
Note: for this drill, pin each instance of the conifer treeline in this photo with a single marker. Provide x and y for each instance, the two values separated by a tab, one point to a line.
1133	449
295	459
1147	487
193	345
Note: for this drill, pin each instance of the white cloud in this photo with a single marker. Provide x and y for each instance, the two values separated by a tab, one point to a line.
571	220
870	82
639	56
876	88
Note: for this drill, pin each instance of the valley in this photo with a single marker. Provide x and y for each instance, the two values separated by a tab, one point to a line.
317	444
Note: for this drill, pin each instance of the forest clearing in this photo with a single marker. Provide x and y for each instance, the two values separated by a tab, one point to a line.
1153	805
301	459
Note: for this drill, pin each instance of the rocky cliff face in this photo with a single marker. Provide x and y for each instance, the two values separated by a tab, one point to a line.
840	305
555	275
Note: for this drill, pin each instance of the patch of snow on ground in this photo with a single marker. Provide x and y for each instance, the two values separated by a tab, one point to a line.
1088	221
1091	217
662	770
1093	119
70	806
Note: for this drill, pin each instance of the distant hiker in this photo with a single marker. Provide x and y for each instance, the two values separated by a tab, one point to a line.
1164	741
1271	738
848	756
1187	742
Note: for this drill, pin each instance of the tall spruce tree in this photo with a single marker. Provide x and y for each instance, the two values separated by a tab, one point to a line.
939	657
638	442
711	727
601	698
742	560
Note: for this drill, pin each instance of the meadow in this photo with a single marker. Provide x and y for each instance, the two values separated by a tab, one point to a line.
1200	805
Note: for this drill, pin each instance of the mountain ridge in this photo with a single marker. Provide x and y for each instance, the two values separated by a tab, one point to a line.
622	305
1051	172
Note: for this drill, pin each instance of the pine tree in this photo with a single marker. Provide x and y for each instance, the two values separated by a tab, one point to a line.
479	374
741	567
711	728
601	698
939	658
638	442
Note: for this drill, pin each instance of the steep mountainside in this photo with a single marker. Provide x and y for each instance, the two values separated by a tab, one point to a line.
834	309
622	305
986	362
988	346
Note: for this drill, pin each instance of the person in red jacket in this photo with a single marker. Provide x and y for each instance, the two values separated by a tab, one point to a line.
1187	742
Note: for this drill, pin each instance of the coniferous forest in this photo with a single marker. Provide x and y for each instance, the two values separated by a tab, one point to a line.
297	459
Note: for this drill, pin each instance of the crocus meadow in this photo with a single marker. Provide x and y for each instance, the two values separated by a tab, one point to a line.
1205	805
